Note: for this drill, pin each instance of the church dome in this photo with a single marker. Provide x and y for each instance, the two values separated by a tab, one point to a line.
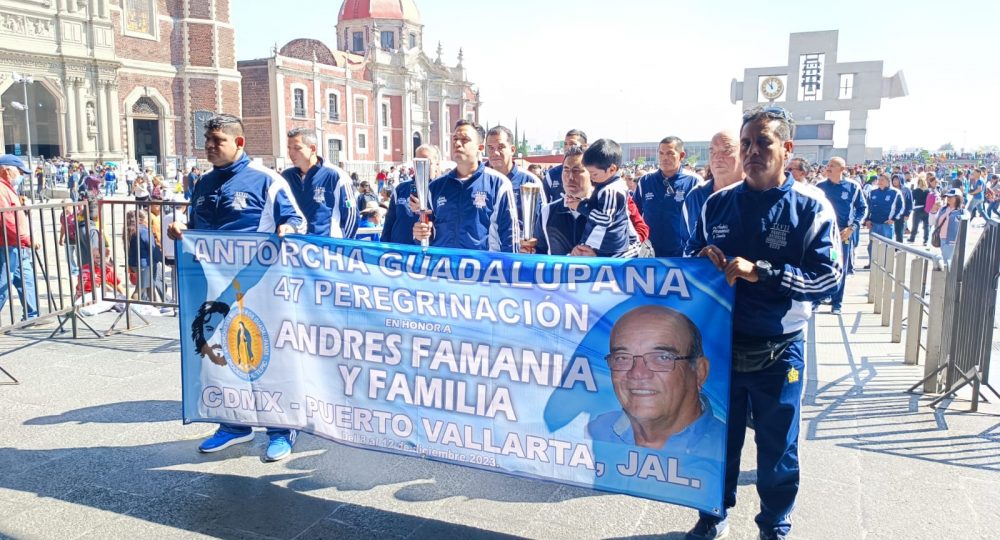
379	9
304	49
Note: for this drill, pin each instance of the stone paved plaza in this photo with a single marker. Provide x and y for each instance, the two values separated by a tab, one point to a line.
93	447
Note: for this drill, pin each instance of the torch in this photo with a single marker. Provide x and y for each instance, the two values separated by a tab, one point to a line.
421	180
529	203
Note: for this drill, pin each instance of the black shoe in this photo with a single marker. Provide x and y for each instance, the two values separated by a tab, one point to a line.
867	267
835	310
772	535
709	528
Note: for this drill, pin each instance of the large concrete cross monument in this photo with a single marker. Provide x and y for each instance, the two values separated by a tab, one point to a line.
815	83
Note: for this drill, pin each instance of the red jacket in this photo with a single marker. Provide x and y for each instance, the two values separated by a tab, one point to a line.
641	229
15	224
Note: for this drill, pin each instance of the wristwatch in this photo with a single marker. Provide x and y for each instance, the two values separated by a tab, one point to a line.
763	270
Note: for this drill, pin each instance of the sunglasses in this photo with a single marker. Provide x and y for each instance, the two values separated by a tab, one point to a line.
777	113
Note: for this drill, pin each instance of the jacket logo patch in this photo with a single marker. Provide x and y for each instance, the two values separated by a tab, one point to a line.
720	231
442	201
479	199
319	195
777	238
239	200
843	195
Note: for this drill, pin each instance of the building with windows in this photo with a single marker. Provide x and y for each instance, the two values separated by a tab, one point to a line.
815	84
647	153
115	80
372	98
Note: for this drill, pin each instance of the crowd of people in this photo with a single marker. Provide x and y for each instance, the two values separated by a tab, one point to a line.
102	179
780	261
782	230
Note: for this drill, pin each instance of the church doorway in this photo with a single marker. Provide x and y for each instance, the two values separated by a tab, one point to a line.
43	112
147	139
146	130
416	141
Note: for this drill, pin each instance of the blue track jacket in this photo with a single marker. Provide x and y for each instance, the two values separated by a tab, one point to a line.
662	202
326	198
475	213
792	228
244	197
848	200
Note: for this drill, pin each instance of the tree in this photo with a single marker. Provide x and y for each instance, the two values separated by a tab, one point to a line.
947	147
523	147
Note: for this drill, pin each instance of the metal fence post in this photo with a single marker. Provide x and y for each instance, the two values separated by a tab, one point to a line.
886	311
872	273
915	314
898	284
876	274
935	328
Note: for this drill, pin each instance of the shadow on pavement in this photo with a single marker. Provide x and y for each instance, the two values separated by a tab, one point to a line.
155	483
868	409
127	412
667	536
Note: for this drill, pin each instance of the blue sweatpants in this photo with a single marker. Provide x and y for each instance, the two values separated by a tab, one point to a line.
882	229
774	397
848	265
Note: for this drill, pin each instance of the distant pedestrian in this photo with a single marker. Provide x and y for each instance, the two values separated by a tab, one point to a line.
16	255
920	215
141	188
946	222
885	206
899	224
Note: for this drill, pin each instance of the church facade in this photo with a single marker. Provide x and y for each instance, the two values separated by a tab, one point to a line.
135	80
115	80
372	98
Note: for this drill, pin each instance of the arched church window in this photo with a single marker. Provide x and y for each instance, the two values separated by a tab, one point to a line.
145	107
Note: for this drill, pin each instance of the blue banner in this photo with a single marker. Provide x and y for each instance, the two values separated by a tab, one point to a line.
611	374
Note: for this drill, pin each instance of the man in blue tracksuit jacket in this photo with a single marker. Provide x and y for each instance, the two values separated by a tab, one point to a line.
500	151
724	157
240	196
472	207
560	225
553	177
323	191
885	206
848	202
398	225
399	220
776	241
661	197
899	225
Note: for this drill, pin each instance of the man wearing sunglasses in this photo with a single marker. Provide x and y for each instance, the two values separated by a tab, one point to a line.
798	167
777	242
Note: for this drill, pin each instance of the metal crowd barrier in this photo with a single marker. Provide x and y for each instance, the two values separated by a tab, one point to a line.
910	292
141	253
970	310
40	270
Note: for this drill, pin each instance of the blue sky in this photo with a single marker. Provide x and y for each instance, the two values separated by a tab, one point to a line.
639	70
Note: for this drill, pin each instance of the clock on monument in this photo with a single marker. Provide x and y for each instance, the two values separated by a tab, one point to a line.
772	87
